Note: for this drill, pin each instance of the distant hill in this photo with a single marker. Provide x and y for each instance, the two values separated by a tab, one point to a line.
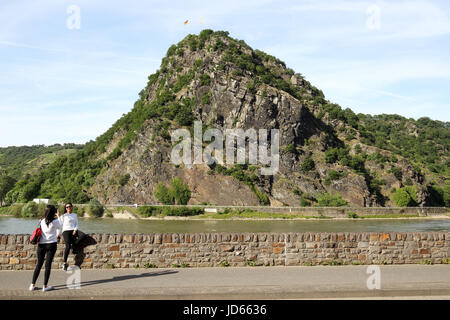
20	161
328	155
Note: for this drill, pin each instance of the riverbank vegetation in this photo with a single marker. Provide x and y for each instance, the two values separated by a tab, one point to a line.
229	213
33	210
149	211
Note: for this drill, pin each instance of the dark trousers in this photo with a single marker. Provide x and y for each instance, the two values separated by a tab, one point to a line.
69	240
43	250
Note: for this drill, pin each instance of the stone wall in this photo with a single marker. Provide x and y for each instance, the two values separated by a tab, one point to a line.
239	249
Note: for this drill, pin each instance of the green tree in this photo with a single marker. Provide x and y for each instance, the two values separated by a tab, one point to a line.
180	191
32	209
177	193
405	197
6	184
95	208
330	200
163	194
438	196
446	196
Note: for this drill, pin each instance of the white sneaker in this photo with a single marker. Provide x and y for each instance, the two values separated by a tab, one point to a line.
32	287
48	288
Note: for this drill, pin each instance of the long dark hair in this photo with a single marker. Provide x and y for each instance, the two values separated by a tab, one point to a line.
65	210
49	214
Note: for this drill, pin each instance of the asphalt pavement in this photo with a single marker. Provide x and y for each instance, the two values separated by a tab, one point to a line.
236	283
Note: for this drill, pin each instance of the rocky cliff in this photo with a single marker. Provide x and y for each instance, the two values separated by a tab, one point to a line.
224	83
328	156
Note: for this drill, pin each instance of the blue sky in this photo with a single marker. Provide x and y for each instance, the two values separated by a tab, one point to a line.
60	83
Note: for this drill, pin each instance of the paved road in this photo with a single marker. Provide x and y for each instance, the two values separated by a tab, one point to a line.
318	282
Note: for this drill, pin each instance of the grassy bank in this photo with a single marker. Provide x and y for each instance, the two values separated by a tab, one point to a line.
388	216
154	211
291	216
253	214
31	210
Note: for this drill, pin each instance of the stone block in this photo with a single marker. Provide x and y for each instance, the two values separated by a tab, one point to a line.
139	238
278	250
6	253
385	237
147	250
111	239
148	239
167	238
19	239
262	237
128	238
227	248
374	249
363	244
104	239
310	245
12	239
125	253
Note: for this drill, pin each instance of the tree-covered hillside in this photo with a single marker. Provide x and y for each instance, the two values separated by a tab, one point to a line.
18	161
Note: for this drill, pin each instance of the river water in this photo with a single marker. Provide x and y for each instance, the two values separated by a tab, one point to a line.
11	225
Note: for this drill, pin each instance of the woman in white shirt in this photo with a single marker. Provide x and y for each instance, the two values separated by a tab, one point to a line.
46	249
69	223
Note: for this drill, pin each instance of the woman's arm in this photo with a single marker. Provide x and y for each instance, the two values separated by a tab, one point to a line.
76	224
58	225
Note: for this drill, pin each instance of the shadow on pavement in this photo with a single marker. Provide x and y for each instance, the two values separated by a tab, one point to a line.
118	278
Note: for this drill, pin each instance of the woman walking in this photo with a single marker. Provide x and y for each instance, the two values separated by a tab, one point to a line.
46	249
69	223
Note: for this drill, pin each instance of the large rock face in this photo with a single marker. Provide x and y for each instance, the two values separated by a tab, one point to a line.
229	96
